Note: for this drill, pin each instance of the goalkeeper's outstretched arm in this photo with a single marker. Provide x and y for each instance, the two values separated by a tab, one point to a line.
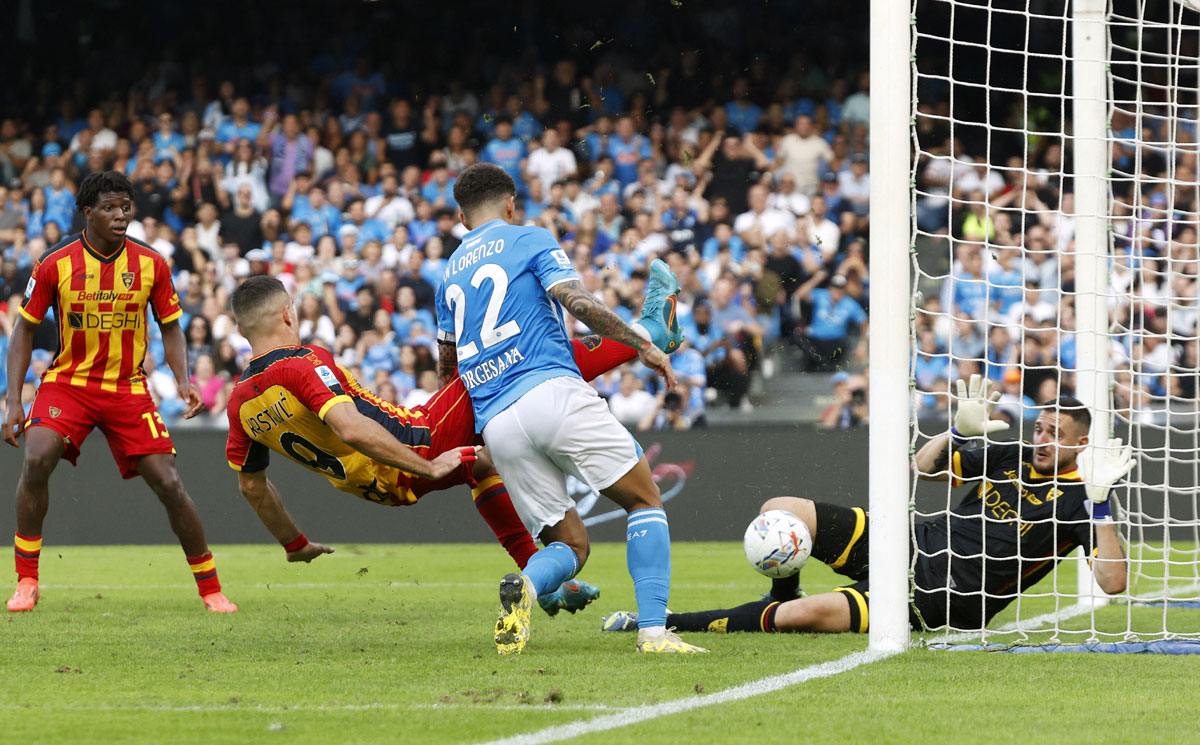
1110	567
975	403
933	459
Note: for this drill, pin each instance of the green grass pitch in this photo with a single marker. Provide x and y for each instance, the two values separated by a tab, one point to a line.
392	644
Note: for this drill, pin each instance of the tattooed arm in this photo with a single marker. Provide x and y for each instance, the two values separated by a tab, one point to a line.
595	314
447	363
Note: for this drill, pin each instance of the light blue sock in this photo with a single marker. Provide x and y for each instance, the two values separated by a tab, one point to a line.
648	555
551	566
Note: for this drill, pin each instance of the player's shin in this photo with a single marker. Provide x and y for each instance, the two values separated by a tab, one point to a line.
648	556
27	550
757	616
204	570
496	508
550	567
785	588
595	355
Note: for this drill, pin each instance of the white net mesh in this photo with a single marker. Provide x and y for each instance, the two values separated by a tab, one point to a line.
996	260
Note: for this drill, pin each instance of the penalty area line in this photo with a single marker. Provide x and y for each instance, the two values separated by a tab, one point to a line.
637	714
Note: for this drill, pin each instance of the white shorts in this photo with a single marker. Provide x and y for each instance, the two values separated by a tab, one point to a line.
559	427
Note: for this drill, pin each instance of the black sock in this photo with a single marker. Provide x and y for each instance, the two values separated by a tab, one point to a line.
784	589
757	616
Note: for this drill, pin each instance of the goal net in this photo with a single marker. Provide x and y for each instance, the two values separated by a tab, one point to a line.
1054	236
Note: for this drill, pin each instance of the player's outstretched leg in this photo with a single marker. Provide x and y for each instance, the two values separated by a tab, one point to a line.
159	472
658	310
844	609
758	616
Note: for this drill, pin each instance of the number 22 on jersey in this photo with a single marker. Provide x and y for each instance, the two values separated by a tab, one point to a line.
489	333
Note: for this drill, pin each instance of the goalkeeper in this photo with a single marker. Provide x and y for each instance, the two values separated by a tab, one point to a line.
1034	504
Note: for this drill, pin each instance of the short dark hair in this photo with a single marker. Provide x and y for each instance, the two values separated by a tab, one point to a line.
481	184
1072	407
252	295
95	184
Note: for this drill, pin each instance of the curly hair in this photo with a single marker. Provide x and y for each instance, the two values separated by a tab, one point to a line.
481	184
95	184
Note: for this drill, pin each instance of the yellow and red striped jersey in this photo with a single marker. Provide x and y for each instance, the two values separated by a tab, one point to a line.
280	403
100	303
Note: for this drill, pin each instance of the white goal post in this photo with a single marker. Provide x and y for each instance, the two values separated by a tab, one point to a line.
1034	219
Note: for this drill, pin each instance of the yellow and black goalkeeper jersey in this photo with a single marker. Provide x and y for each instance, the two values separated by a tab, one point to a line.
1006	534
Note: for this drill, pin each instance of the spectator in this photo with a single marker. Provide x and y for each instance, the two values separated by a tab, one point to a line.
850	407
507	151
757	225
855	185
631	403
730	170
550	163
243	224
291	153
237	126
801	153
627	149
833	312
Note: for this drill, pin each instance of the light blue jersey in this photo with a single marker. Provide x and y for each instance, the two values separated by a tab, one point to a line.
493	305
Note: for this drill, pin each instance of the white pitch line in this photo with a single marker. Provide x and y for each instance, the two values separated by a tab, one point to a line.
323	585
283	709
644	713
1028	624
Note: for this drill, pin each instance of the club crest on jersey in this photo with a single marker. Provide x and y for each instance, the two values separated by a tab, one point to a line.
55	411
127	279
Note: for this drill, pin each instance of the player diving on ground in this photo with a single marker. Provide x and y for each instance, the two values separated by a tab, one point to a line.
1034	505
295	400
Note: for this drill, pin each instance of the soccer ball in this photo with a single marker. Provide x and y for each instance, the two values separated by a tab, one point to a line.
777	543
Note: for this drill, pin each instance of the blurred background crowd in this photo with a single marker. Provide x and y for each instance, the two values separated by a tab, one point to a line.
325	153
996	223
326	156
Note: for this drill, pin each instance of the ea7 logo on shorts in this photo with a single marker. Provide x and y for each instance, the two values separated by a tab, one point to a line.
55	411
561	257
29	288
327	377
127	279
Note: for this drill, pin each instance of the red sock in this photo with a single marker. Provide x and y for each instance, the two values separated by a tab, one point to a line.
204	569
496	507
595	355
27	550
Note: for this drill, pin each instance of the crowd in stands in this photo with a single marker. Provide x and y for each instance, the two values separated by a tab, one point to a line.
1005	307
339	181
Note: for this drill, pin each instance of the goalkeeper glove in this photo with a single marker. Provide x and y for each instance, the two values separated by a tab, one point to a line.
1103	467
975	410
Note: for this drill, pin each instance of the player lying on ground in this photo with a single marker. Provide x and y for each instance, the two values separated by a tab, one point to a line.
297	401
98	285
500	324
1042	500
